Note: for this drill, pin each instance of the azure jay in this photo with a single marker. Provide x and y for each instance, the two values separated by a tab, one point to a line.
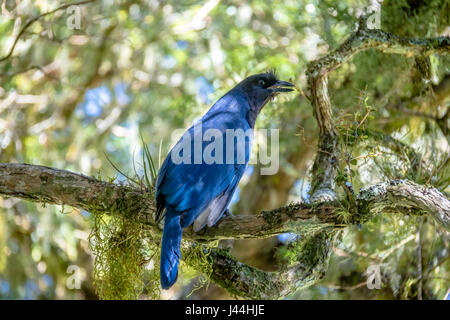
193	188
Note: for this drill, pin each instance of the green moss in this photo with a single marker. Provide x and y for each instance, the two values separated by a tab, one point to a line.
272	217
121	253
305	227
198	259
310	251
344	216
126	262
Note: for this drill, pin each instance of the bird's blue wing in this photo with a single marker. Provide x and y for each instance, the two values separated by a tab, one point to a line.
193	190
214	211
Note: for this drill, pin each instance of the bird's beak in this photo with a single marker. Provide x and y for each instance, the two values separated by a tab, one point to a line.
281	86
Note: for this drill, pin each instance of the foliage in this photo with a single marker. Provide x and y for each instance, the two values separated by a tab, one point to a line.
122	250
121	254
144	70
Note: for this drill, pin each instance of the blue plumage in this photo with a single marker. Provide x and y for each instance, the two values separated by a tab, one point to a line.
198	189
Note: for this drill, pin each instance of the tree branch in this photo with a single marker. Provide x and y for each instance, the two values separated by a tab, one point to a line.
47	185
326	162
404	196
318	223
307	266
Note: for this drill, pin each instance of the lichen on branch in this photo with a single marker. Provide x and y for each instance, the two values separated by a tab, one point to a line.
326	163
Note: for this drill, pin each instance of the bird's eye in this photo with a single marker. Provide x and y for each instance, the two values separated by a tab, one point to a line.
262	83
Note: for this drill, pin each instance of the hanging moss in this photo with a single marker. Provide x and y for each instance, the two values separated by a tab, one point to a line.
121	255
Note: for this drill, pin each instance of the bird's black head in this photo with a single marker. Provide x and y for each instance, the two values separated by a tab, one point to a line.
259	89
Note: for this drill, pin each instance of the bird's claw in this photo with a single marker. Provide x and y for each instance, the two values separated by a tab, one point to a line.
227	214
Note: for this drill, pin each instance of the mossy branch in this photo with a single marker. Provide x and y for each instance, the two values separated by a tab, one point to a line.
326	162
307	265
318	223
47	185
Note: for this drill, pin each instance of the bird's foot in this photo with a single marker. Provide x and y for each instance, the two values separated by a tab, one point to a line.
227	214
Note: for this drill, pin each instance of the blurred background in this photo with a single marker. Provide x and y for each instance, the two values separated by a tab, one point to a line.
87	81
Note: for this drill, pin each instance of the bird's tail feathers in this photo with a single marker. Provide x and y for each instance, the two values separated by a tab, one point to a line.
170	249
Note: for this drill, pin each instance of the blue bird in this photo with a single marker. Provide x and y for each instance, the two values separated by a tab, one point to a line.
201	172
